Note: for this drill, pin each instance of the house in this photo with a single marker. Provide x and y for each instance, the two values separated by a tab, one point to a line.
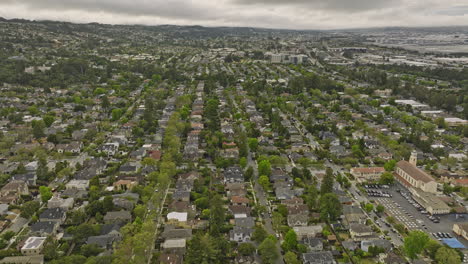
46	228
81	185
124	185
118	217
367	174
233	174
75	194
174	233
128	169
349	245
176	246
380	243
248	222
103	241
29	178
461	229
74	147
110	148
57	202
298	220
392	258
312	243
279	175
307	231
320	257
359	231
53	215
239	211
413	177
138	154
124	203
353	215
240	234
165	258
298	209
33	246
238	200
181	195
35	259
236	189
284	193
293	201
155	154
176	216
12	191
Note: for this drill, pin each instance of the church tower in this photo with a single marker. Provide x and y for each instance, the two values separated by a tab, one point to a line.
414	158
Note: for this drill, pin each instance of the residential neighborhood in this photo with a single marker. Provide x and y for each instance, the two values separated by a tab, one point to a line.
133	144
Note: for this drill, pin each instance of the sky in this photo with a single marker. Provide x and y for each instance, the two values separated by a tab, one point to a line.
289	14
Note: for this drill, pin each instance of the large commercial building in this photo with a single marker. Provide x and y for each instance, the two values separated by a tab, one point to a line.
367	174
413	177
430	202
286	58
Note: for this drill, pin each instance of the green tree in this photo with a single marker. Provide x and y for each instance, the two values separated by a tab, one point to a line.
390	165
311	197
243	162
246	249
48	120
369	207
264	182
201	249
108	203
445	255
90	250
387	178
327	183
38	127
290	241
414	243
330	207
249	173
29	209
431	248
268	251
253	144
105	102
291	258
264	168
259	234
217	216
116	114
46	193
380	208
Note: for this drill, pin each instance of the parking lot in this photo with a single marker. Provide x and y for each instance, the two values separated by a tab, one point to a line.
401	216
399	207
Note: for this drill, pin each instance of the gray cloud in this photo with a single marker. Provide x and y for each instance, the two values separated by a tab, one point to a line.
296	14
334	5
168	9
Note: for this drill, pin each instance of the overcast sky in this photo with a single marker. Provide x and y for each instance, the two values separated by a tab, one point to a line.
293	14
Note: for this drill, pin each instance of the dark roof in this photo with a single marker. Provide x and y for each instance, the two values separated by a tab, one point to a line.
43	227
52	213
318	257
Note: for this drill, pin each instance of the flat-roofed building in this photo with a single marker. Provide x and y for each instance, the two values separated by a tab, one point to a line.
367	174
433	204
33	246
461	229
